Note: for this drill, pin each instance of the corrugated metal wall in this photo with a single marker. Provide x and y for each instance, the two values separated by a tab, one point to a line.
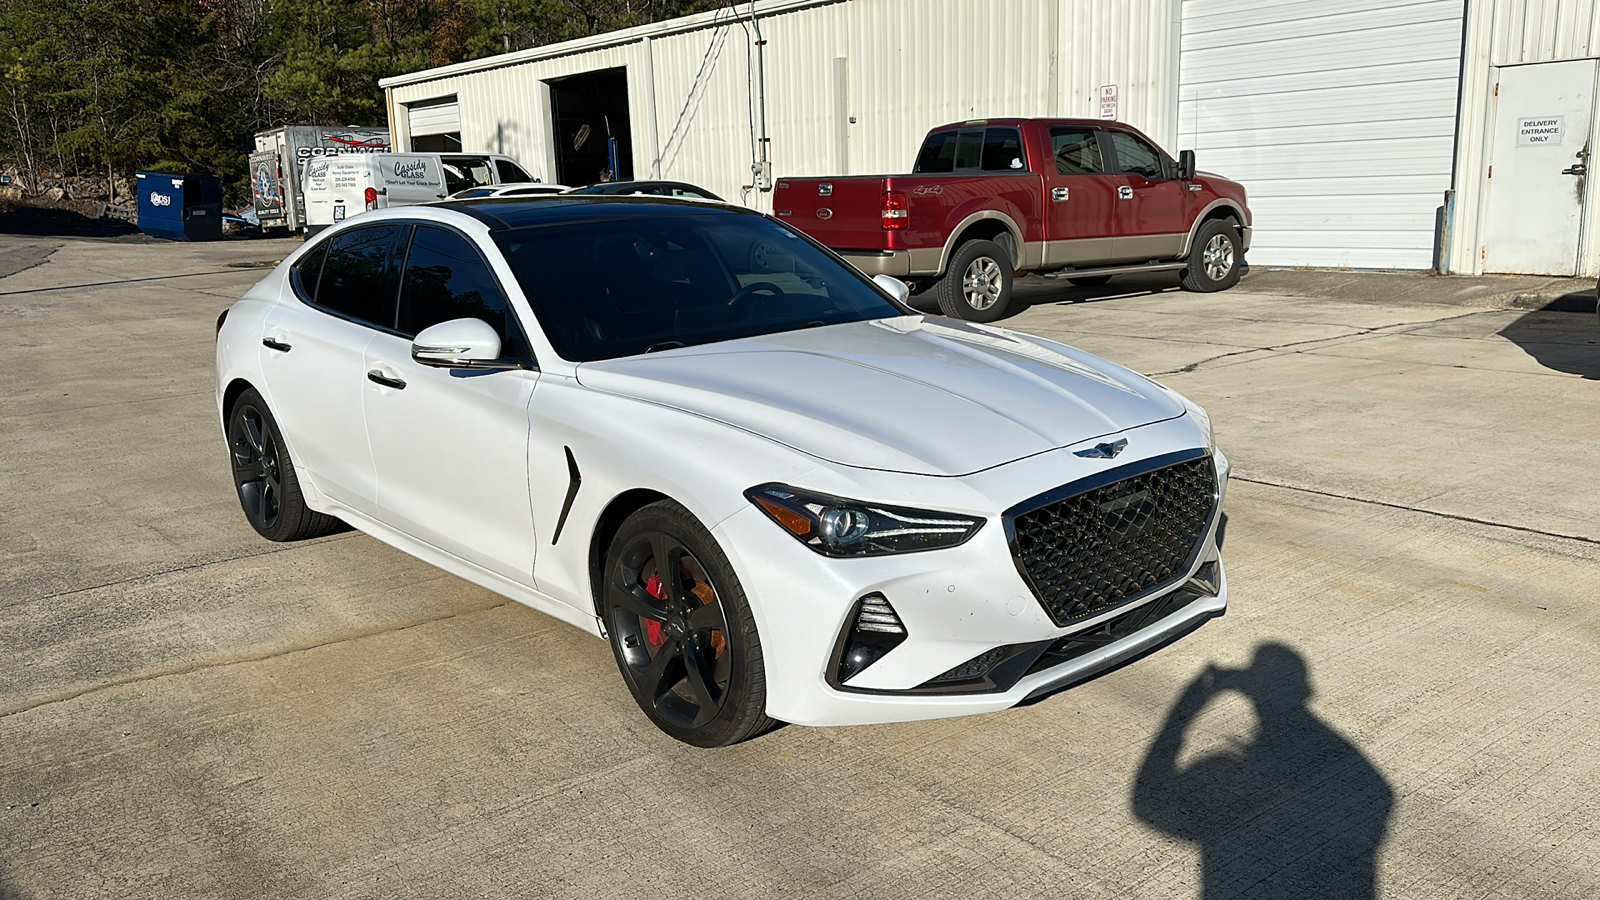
1503	33
1339	118
908	65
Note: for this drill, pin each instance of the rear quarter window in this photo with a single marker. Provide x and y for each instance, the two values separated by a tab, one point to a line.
305	272
359	279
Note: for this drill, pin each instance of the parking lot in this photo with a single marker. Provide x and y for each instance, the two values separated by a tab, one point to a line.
1406	674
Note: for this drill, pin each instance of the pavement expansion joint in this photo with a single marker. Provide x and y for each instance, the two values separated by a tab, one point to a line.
96	284
189	567
7	712
1416	509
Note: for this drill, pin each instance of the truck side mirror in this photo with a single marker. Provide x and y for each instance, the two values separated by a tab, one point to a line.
1186	165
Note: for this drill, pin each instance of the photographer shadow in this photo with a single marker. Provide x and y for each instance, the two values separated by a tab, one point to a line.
1297	812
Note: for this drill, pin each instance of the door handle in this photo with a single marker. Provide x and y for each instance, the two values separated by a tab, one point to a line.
1124	192
377	377
1575	169
275	344
1059	194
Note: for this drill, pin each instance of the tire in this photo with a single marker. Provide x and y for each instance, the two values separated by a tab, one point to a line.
1089	281
264	476
1214	260
977	285
686	644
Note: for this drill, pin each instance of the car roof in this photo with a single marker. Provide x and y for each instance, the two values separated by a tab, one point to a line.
505	213
620	187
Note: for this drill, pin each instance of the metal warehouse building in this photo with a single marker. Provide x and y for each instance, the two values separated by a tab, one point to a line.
1401	134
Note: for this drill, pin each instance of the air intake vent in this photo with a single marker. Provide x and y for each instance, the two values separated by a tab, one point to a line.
877	615
868	636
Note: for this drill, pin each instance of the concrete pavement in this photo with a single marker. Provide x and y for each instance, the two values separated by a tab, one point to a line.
188	711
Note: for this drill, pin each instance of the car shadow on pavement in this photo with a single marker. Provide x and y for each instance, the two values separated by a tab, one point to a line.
1036	290
1298	811
1562	335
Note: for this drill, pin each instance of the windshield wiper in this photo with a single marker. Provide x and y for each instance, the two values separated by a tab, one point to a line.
664	345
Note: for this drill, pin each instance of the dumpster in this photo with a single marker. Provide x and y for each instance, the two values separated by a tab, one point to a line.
180	207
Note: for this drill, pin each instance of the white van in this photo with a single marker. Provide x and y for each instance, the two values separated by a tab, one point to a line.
338	187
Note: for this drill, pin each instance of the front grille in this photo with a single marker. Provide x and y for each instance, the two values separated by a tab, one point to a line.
1109	543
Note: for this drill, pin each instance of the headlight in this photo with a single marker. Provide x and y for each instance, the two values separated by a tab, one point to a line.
834	526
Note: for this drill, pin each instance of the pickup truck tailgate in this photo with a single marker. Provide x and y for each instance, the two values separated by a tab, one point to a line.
842	213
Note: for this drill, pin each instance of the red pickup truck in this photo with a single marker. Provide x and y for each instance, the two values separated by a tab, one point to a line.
994	198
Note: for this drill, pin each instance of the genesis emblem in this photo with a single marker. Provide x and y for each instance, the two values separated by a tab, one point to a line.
1103	451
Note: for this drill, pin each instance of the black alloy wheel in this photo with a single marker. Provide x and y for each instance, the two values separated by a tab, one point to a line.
682	631
269	491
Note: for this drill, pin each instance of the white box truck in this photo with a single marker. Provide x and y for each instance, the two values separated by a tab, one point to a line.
338	187
277	166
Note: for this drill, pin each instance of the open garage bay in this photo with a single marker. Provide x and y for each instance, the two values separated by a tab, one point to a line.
1405	687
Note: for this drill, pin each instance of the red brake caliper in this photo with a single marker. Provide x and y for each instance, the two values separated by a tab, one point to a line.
652	628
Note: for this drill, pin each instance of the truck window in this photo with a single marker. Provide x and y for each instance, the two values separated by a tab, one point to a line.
1076	151
461	173
938	154
510	172
969	149
1135	157
1002	150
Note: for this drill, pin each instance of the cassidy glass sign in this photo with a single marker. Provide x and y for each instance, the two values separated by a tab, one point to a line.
417	170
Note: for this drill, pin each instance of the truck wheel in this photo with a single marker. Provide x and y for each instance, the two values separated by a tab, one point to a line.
977	286
1214	259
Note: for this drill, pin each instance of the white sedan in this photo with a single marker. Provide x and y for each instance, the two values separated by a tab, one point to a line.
778	492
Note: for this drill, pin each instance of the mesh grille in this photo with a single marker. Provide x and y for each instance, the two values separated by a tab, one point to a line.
1096	549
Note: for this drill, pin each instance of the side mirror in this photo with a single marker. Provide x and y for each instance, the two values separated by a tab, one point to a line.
897	289
1186	165
459	344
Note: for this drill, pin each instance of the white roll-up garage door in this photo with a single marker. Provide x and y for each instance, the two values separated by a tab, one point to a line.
441	116
1339	119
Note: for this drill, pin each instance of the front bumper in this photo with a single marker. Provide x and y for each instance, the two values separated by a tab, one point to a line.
957	604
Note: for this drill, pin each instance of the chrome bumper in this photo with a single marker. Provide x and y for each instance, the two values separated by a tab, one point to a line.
886	262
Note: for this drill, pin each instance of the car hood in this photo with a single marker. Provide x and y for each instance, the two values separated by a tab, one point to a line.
928	396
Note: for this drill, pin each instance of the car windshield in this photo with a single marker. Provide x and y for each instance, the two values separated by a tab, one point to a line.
606	289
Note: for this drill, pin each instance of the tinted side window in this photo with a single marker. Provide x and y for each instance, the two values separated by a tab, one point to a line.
1076	151
446	279
306	272
969	150
358	279
1135	157
1002	150
510	172
938	154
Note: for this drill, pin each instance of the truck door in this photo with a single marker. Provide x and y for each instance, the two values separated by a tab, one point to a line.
1080	193
1150	218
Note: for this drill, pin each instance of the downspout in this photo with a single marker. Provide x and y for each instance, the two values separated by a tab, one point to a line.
763	173
650	106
